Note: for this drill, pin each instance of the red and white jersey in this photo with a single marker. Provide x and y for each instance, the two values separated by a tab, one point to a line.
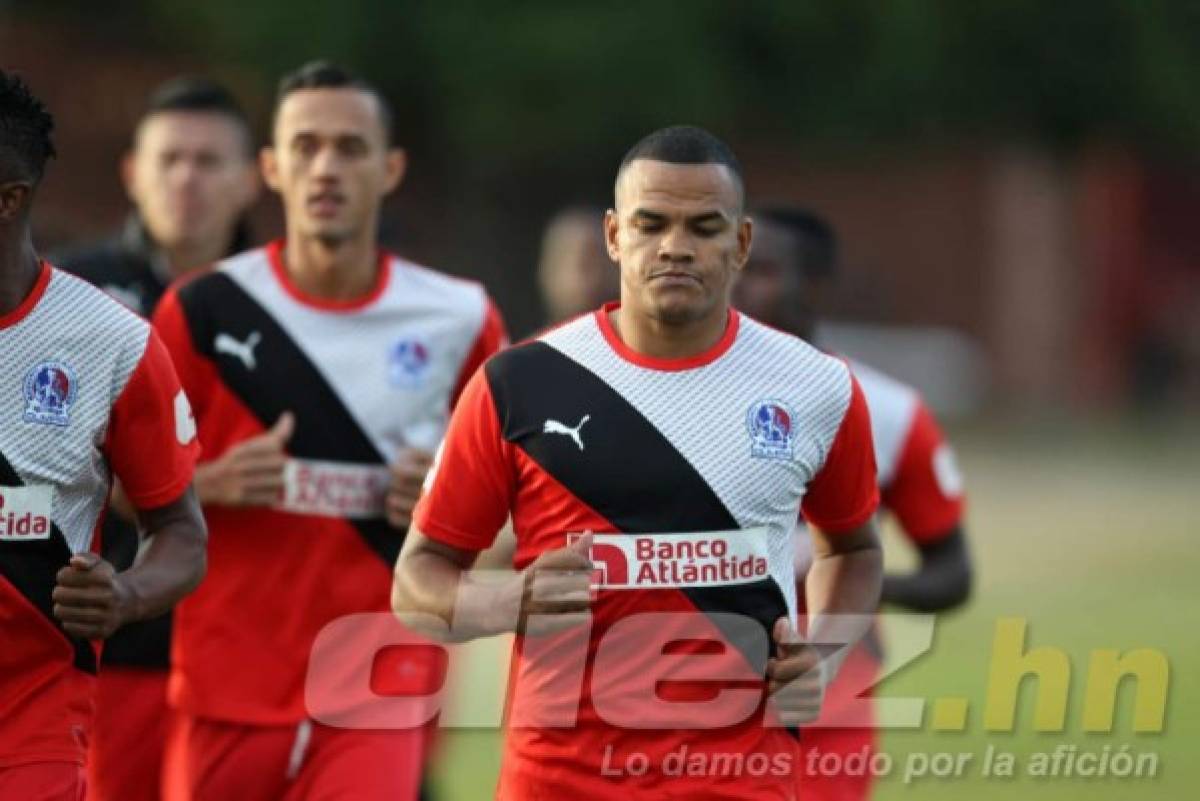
89	392
364	378
919	481
691	474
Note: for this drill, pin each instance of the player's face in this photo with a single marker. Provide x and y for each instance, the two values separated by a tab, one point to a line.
583	277
331	163
680	237
769	286
191	176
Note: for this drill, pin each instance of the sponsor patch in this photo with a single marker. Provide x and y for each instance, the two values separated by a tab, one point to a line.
25	513
334	489
664	561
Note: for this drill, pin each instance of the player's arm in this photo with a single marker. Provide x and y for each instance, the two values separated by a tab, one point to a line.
436	594
151	447
412	464
92	600
250	473
926	497
843	584
467	499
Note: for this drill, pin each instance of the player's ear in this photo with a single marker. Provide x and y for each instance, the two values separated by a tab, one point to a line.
127	168
745	237
14	197
397	165
612	228
269	165
249	184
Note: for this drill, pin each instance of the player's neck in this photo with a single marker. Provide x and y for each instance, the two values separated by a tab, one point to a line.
344	271
19	266
658	340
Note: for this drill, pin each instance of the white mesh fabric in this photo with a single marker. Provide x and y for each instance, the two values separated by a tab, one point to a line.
703	413
101	342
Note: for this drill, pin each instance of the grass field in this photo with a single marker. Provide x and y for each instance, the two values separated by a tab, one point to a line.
1090	534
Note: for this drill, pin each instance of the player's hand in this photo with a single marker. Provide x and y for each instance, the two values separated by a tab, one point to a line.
408	474
90	598
795	677
557	589
251	472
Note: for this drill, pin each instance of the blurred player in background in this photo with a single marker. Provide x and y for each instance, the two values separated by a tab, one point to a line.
90	394
575	274
666	415
191	177
346	360
784	285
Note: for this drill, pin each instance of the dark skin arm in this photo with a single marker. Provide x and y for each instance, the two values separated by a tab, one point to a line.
942	580
842	591
92	600
435	594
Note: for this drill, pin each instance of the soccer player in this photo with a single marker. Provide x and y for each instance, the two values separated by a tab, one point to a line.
574	272
351	358
191	176
90	394
784	284
657	451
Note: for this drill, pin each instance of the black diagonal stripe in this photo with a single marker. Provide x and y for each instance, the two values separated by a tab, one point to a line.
32	567
629	473
283	379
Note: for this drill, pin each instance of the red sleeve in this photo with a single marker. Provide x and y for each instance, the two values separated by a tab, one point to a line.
151	442
470	488
196	374
843	495
492	337
925	493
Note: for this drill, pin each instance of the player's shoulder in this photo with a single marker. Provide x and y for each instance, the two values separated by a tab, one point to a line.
71	300
419	284
206	286
768	351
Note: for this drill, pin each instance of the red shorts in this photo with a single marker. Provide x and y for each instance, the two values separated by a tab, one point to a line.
209	760
43	781
129	734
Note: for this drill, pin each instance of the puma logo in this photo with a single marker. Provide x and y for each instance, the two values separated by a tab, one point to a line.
555	427
243	351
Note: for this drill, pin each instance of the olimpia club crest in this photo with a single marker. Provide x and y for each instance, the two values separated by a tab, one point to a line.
50	389
772	428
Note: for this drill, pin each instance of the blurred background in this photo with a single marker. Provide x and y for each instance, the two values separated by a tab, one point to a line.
1016	185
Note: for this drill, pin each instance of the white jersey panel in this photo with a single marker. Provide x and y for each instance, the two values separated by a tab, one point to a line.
62	368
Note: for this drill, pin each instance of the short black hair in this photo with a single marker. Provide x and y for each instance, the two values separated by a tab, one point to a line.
327	75
684	144
818	243
26	131
198	94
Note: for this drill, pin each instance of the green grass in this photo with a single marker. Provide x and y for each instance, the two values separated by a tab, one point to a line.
1088	534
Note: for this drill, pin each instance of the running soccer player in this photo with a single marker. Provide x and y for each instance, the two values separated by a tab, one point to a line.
784	284
90	393
191	177
350	358
657	451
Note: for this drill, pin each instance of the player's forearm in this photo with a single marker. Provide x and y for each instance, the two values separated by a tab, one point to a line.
941	582
444	601
173	564
842	593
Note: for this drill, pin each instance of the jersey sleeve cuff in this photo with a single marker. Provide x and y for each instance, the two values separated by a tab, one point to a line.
163	496
448	535
841	525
